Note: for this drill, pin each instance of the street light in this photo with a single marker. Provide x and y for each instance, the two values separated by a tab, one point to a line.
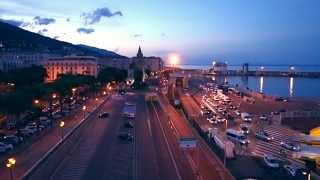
104	93
97	99
36	101
84	111
225	146
61	125
10	164
74	90
54	95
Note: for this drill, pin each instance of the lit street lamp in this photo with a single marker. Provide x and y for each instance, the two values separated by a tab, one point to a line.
10	164
61	125
84	108
36	101
225	146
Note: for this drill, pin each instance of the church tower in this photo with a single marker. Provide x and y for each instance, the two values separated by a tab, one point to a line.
139	54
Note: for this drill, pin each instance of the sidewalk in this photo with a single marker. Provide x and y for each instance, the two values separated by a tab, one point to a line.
27	157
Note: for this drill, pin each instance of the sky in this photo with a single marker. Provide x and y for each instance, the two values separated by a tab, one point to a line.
235	31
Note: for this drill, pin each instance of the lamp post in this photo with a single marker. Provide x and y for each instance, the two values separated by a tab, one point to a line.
61	125
225	146
84	108
10	164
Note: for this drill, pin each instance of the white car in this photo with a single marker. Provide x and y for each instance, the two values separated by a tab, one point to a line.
237	112
290	146
5	147
272	161
263	136
219	119
294	170
263	117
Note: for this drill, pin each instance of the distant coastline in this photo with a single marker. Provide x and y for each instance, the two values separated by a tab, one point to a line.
271	67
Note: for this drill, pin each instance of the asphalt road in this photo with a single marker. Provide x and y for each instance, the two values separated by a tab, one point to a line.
100	154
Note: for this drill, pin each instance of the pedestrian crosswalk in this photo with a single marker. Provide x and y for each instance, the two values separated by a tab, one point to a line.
279	134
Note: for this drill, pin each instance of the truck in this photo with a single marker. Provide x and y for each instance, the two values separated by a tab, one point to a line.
246	117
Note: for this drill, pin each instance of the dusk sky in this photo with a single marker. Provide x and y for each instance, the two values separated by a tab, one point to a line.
237	31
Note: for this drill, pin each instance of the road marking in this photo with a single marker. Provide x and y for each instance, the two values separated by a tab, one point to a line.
167	144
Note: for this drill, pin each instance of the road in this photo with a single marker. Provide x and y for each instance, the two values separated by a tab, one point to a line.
99	146
100	154
30	153
171	158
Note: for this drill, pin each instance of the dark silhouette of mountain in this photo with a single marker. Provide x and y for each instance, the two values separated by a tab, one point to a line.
16	39
100	51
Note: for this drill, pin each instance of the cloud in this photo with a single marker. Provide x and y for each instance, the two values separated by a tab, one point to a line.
43	21
85	30
68	19
13	22
95	16
137	35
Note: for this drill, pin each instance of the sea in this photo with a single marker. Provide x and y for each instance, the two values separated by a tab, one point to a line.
296	87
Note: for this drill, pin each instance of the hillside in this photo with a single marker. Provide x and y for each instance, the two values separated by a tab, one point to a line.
17	39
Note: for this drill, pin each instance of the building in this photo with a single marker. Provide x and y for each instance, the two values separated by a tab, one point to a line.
119	63
219	68
15	60
152	63
85	65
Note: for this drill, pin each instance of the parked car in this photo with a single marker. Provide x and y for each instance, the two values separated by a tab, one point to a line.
244	129
296	171
104	115
12	139
262	135
125	136
5	147
290	146
272	161
237	112
263	117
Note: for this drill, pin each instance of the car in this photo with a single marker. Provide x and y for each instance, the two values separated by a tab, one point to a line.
219	119
262	135
244	129
237	112
125	136
104	115
12	139
212	121
296	171
220	110
25	132
290	146
128	124
5	147
263	117
272	161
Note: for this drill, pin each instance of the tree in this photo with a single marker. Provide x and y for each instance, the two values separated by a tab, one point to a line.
121	75
16	102
27	76
138	75
110	74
